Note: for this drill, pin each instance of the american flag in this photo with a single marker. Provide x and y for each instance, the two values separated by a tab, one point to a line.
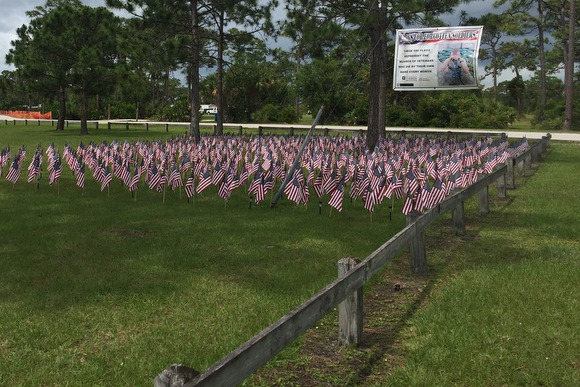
56	171
408	204
369	199
189	185
204	181
318	186
107	178
134	184
398	165
293	190
336	197
14	171
80	176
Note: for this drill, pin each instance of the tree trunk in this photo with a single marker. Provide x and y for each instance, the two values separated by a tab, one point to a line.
383	85
543	82
194	73
84	128
297	99
62	109
569	69
220	77
374	119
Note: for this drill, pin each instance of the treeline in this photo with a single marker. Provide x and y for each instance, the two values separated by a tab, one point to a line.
163	59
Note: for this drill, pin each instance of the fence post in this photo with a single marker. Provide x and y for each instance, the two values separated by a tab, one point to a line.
126	126
291	131
527	162
96	125
108	125
240	130
260	129
484	200
501	192
417	252
175	376
510	177
458	220
350	311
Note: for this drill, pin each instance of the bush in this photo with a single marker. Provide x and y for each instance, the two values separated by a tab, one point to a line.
398	115
288	115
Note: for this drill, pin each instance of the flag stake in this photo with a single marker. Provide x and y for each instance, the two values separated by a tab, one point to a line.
290	173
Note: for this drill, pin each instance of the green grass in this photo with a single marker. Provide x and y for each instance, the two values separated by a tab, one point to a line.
100	288
507	307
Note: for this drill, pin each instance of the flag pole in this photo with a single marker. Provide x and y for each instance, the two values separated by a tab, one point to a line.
296	160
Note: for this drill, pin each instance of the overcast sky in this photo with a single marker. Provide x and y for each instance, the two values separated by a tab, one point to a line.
13	16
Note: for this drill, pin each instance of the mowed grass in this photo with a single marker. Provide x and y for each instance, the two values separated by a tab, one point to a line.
506	307
102	288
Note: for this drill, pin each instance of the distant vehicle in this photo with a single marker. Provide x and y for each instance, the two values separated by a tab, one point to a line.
208	109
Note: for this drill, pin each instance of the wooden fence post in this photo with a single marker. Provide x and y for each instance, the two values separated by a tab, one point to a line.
417	252
240	130
510	177
147	126
291	131
484	199
350	311
96	125
260	130
458	220
175	376
527	163
501	191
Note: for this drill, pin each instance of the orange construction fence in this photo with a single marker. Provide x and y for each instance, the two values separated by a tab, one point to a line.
27	115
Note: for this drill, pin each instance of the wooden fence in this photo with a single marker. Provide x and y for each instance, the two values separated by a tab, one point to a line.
239	128
346	291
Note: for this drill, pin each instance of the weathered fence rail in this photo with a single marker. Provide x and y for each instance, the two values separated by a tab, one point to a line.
239	128
247	358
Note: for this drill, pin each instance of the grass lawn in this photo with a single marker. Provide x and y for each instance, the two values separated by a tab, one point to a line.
102	288
499	306
508	308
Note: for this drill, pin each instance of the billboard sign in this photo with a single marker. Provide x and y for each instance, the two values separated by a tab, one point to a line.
436	58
